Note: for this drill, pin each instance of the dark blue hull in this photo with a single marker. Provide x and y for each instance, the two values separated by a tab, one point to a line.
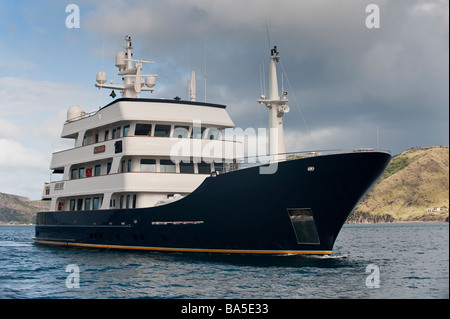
300	209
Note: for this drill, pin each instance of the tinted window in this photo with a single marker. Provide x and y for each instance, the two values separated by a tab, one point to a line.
143	129
167	166
87	204
96	203
187	168
72	204
181	131
97	170
162	130
197	132
204	168
213	133
126	128
148	165
219	167
79	203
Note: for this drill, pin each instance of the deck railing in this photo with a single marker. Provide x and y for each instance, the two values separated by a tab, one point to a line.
262	160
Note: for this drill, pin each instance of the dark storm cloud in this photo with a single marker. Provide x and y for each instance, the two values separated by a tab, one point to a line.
346	78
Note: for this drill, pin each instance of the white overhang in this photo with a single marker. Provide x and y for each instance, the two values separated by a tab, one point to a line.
165	111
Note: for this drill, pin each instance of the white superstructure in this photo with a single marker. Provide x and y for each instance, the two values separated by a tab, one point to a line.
139	152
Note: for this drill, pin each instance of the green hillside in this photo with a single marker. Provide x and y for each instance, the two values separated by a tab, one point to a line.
19	210
414	187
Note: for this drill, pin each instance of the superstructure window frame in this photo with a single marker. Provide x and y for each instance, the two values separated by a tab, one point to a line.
162	130
214	133
143	129
87	203
81	172
181	131
72	204
187	168
74	173
126	129
204	168
96	203
148	165
97	170
195	132
167	166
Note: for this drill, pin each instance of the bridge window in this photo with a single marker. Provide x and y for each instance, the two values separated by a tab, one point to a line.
162	130
181	131
197	132
143	129
187	168
204	168
213	133
148	165
167	166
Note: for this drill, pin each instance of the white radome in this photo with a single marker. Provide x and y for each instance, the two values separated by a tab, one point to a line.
75	112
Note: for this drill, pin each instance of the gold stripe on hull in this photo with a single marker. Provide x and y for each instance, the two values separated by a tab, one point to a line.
193	250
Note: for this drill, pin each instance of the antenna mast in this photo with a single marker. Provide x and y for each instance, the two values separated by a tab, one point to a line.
192	88
277	108
133	80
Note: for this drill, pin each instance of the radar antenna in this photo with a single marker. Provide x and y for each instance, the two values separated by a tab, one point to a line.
133	81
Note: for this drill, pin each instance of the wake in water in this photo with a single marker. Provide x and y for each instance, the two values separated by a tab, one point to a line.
341	256
14	244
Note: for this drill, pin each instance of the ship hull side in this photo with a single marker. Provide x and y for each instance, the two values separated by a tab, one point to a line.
239	212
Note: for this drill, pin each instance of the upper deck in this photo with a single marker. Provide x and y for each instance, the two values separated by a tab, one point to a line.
144	109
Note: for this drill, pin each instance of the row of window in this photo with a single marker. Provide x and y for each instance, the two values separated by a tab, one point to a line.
167	166
115	133
159	130
151	166
94	203
125	201
180	131
87	203
83	172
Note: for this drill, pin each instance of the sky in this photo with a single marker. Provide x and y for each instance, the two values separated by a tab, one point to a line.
345	81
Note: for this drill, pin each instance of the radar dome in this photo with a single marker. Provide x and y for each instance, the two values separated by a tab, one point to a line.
150	81
120	61
101	77
74	113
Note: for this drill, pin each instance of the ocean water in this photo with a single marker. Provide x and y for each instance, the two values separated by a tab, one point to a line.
373	261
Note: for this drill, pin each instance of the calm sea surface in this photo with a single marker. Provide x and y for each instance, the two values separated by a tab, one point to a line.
375	261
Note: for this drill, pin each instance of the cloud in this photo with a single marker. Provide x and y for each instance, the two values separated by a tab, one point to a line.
22	170
343	75
15	156
9	130
32	116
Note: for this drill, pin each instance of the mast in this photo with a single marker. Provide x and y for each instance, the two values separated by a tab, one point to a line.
133	80
192	88
277	108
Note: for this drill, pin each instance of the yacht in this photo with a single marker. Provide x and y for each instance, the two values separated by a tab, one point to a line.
171	175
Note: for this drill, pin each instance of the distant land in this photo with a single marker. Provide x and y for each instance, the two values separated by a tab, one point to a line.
16	209
414	188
